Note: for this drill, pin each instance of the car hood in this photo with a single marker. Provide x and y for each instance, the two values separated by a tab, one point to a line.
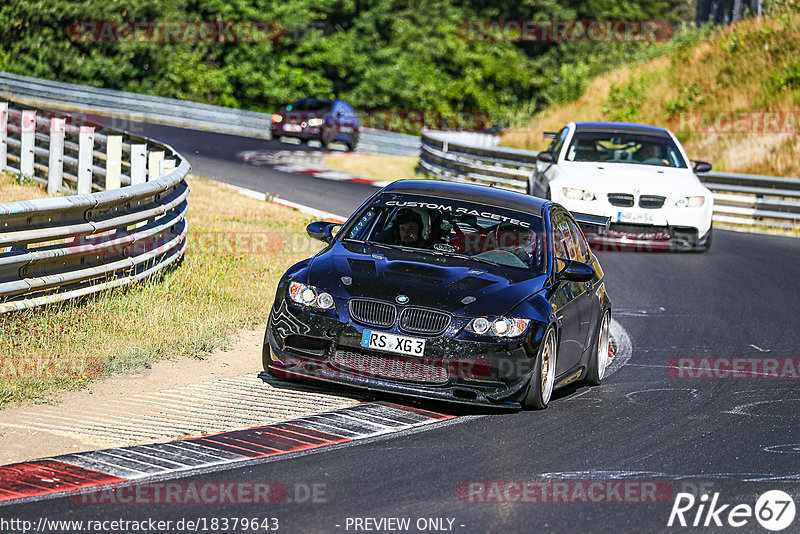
629	177
455	285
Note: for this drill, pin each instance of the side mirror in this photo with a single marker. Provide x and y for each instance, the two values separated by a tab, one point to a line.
322	230
576	271
701	166
549	135
546	157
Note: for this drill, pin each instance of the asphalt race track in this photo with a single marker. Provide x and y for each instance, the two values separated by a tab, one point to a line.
611	458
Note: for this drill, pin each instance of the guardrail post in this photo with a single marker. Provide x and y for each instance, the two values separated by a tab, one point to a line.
113	161
27	126
85	158
3	136
55	166
154	165
138	164
167	166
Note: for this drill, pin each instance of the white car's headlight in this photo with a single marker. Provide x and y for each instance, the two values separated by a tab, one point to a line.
577	194
316	122
690	202
498	326
310	296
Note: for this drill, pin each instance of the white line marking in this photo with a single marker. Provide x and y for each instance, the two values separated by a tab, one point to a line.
629	396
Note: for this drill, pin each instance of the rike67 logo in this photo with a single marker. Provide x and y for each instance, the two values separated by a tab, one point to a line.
774	510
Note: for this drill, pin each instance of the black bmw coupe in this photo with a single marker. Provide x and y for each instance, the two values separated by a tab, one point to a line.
446	291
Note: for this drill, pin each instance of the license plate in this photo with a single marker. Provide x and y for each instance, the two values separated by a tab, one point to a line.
292	128
345	129
635	217
388	342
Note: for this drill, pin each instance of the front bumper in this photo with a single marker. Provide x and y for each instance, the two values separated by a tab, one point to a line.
303	345
309	132
645	238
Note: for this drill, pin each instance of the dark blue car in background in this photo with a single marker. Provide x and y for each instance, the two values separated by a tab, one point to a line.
327	121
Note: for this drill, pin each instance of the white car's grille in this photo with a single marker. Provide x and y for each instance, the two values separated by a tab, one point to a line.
621	200
651	201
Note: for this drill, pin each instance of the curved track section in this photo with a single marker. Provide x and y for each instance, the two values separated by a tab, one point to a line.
674	419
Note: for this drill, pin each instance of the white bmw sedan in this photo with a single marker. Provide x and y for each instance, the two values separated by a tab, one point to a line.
637	175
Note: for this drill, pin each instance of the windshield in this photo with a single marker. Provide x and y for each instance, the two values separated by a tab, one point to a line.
310	104
448	227
613	147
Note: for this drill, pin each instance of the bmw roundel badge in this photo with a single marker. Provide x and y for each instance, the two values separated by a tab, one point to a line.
401	299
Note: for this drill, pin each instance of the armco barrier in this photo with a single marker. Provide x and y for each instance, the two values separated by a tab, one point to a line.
743	199
181	113
57	248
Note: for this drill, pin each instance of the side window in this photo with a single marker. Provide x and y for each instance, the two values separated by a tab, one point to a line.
567	239
582	245
560	236
558	142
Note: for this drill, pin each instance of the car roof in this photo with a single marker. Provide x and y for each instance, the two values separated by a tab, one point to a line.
620	127
490	196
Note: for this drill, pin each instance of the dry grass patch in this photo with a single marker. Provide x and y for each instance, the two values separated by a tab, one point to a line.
12	188
375	166
238	249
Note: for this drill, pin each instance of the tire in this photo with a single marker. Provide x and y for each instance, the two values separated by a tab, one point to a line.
543	379
707	245
598	361
352	143
266	352
326	138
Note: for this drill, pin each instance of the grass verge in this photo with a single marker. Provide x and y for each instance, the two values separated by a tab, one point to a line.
375	166
238	249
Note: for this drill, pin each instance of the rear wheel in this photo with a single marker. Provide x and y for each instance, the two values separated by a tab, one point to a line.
598	362
543	378
352	143
326	138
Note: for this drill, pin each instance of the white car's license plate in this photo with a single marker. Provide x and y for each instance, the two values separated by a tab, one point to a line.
388	342
292	128
635	217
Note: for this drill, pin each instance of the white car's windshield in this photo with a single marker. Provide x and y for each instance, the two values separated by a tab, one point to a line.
614	147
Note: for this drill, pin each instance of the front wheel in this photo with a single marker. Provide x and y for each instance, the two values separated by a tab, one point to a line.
543	378
707	243
598	361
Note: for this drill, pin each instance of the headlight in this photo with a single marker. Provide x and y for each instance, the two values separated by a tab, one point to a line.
276	118
690	202
577	194
310	296
498	326
316	122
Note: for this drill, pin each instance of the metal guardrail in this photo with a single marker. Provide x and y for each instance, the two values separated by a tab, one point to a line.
743	199
56	248
173	112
